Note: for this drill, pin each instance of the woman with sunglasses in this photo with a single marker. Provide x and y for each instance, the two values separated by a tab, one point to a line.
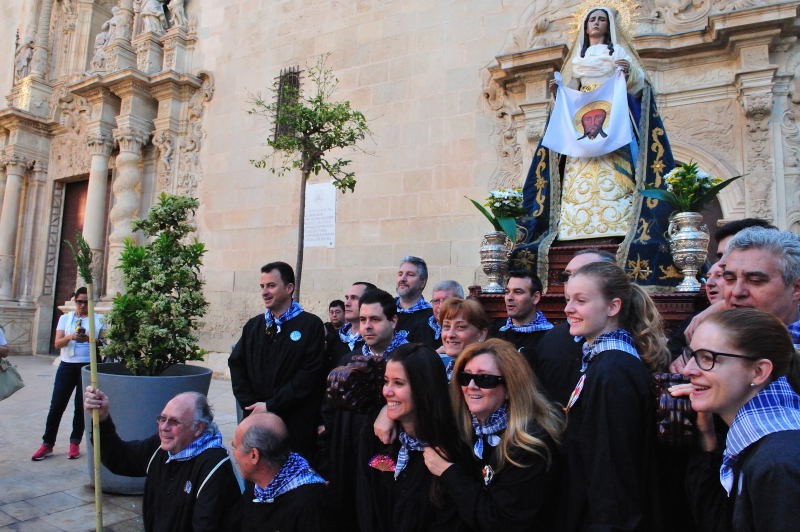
610	436
72	338
509	482
394	490
744	368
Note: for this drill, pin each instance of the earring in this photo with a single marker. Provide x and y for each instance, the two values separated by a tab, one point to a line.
752	385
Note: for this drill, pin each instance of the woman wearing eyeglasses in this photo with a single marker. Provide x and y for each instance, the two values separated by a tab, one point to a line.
395	491
512	429
73	340
610	436
744	368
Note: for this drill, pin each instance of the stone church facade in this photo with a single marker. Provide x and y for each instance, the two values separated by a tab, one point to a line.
110	102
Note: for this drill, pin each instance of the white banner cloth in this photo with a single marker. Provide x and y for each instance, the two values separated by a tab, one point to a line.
590	124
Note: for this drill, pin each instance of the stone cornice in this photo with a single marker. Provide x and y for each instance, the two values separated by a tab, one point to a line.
12	118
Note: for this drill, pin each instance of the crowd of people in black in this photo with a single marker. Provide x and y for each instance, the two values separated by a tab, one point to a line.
448	421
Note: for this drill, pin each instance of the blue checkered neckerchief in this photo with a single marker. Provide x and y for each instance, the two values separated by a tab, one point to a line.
207	440
539	323
347	337
437	329
293	311
776	408
407	444
488	432
294	473
794	330
618	339
399	338
421	304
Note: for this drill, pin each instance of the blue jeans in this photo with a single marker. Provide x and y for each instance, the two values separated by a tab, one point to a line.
68	378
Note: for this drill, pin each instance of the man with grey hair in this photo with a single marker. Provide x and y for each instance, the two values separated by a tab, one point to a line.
762	270
441	291
282	492
413	311
190	480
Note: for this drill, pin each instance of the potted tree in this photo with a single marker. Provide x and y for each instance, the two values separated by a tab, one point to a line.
151	327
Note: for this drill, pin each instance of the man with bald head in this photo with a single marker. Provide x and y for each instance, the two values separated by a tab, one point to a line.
282	492
190	480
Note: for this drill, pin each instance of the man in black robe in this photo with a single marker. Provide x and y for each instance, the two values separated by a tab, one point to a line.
278	364
190	480
525	325
347	337
413	311
282	492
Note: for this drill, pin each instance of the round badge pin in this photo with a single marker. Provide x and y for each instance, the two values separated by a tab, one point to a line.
295	336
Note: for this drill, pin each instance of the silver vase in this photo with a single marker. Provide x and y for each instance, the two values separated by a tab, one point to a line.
688	242
495	249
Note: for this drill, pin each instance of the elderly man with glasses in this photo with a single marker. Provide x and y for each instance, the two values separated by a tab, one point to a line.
73	341
190	480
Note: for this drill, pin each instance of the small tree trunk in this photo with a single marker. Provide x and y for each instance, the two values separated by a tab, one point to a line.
301	229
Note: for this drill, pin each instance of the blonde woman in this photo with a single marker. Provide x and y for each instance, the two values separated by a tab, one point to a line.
513	431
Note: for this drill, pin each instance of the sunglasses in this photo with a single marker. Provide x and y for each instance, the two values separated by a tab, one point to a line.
487	382
563	276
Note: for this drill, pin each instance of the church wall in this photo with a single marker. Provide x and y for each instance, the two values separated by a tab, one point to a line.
414	68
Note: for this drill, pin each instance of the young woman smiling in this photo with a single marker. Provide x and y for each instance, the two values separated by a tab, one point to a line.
395	491
610	434
743	367
509	482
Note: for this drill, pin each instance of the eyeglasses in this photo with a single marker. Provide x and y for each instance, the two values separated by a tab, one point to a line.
170	421
81	301
705	358
487	382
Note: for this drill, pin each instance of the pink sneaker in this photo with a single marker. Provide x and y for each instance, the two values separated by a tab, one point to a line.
74	451
43	452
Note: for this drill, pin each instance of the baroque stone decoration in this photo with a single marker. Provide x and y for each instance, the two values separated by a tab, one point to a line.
137	97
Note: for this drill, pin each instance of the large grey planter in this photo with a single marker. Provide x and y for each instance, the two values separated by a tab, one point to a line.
135	404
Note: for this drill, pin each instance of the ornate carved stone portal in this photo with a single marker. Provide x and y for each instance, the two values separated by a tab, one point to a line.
92	82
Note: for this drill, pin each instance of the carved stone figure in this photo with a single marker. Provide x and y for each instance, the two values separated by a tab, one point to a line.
22	59
177	14
100	41
153	18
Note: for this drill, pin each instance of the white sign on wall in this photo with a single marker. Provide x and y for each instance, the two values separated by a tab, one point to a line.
320	217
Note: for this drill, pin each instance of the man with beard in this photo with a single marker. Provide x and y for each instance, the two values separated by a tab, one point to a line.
413	311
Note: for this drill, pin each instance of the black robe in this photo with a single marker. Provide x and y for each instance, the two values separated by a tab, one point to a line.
286	371
609	445
526	343
558	363
517	499
769	500
403	505
303	509
171	500
419	330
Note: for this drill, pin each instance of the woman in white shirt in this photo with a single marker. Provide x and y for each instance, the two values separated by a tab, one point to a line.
73	340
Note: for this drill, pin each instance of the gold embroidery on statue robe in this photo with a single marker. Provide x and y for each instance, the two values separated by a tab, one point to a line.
596	200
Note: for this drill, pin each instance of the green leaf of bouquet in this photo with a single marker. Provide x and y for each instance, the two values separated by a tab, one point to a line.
509	227
711	192
492	219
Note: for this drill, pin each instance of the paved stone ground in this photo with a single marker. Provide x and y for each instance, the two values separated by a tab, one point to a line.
55	494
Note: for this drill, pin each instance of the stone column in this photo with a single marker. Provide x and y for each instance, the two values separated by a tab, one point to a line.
9	221
31	237
126	189
41	45
100	144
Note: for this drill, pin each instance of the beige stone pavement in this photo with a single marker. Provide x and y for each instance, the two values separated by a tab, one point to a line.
55	494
